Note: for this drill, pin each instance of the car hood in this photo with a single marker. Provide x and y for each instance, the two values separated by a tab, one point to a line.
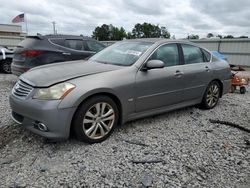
45	76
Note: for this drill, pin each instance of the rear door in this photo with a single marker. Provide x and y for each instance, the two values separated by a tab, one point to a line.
75	49
196	72
157	88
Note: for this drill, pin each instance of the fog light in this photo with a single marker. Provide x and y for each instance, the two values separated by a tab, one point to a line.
40	126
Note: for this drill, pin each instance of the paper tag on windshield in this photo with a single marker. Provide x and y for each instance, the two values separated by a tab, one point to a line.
132	52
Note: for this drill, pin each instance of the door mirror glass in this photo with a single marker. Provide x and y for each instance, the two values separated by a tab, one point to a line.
155	64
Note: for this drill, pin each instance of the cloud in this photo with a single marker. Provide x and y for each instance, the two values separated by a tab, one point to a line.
232	16
180	17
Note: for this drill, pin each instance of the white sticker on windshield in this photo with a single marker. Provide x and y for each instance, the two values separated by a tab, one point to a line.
130	52
133	52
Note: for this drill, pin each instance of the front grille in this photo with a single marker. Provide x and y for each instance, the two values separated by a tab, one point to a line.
21	89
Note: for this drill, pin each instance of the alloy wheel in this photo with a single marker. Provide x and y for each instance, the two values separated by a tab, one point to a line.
212	95
98	120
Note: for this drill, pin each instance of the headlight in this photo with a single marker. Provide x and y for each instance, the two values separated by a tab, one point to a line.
54	92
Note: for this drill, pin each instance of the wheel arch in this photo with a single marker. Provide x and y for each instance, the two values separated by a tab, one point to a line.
220	84
111	95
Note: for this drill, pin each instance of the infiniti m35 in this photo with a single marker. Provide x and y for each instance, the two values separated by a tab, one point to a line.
128	80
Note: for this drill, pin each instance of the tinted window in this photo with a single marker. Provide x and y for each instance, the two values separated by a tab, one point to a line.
95	46
58	41
168	54
74	44
192	54
207	55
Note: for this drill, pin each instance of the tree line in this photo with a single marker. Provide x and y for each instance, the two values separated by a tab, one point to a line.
211	35
107	32
145	30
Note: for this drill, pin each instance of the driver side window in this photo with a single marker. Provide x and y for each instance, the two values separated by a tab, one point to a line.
168	54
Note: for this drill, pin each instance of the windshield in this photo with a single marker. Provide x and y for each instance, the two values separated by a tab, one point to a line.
122	53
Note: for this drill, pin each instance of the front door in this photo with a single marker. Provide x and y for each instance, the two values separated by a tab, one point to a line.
161	87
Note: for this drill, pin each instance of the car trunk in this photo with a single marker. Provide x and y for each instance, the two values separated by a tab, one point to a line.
29	43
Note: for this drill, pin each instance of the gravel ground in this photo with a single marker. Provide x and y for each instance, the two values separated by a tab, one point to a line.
177	149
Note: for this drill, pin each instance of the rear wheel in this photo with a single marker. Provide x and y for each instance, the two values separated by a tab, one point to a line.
95	119
242	90
211	95
6	66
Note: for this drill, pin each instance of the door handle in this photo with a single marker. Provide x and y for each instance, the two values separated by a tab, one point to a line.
207	69
66	53
178	73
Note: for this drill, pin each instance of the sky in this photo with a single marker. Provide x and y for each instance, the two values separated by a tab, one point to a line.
180	17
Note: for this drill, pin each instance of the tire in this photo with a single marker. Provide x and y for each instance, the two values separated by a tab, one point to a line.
95	119
211	95
233	88
242	90
6	66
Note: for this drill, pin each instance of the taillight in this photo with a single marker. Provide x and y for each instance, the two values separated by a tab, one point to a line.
32	53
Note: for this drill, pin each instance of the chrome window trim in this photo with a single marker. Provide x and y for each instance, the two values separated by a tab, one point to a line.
67	47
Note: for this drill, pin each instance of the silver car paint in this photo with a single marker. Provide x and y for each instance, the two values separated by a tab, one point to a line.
138	92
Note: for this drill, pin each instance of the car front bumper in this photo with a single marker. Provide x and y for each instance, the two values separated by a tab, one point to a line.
31	112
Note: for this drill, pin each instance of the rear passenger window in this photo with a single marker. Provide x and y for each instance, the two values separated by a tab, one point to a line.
74	44
207	55
192	54
95	46
58	41
168	54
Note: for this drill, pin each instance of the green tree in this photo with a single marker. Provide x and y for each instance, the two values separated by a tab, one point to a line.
165	33
220	36
123	33
109	32
243	36
101	33
209	35
192	36
229	37
130	35
148	30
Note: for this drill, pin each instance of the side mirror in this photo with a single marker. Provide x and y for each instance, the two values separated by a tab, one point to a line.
154	64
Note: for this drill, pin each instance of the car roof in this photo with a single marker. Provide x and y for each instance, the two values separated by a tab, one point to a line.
59	36
162	40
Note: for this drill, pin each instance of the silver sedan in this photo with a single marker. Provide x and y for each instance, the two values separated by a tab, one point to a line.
130	79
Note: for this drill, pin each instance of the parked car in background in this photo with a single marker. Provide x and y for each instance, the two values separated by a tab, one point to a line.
6	56
40	50
128	80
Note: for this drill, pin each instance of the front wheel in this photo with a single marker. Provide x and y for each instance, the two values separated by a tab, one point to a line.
211	95
95	119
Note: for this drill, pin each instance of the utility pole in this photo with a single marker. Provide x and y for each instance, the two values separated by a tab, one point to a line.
54	27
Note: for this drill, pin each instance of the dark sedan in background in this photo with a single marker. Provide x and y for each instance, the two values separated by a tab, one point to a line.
128	80
40	50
